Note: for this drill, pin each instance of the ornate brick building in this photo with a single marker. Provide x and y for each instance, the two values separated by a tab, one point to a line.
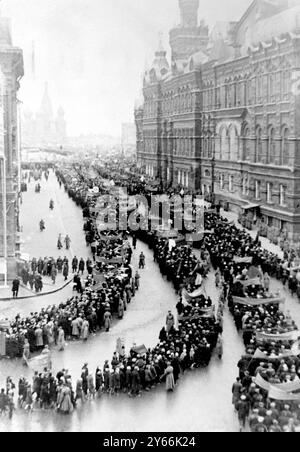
11	66
224	115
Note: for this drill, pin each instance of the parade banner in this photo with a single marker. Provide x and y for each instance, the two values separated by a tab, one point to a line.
99	278
290	336
286	387
242	260
192	296
113	261
249	282
257	301
139	349
278	394
39	363
108	238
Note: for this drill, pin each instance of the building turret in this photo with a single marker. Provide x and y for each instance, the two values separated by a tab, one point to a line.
188	38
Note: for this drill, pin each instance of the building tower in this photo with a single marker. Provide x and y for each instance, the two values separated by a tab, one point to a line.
188	38
60	125
45	122
189	13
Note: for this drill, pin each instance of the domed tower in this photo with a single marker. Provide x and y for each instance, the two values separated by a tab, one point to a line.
189	37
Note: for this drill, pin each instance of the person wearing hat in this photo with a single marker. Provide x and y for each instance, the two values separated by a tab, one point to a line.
243	409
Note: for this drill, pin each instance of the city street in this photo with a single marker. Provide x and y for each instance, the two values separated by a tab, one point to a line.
194	405
196	401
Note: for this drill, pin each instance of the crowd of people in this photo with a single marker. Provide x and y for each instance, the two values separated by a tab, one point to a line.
188	345
32	272
264	394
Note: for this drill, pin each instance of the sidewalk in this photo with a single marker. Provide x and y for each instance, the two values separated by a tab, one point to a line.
266	244
26	292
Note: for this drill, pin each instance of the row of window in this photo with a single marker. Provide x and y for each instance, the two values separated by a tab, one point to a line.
183	178
258	191
269	88
150	171
230	146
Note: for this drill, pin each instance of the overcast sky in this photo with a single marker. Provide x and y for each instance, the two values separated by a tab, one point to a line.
93	52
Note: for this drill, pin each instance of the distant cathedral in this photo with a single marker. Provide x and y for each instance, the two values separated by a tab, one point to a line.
44	128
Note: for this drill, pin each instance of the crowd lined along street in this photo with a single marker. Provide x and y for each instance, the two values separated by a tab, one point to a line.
147	309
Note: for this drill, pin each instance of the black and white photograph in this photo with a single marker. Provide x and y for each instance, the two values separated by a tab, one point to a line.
149	219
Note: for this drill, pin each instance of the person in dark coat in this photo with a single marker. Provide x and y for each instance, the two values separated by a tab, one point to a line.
15	287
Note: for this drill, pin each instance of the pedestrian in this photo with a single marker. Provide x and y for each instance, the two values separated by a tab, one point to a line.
142	261
67	242
137	280
134	241
15	287
26	352
243	409
85	330
236	392
66	271
219	347
169	374
81	266
64	401
121	309
53	274
107	320
170	322
61	339
74	264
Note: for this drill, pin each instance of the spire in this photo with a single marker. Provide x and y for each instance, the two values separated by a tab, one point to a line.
46	105
160	50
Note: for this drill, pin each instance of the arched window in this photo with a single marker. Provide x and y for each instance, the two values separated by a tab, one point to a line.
246	143
224	144
233	144
271	155
258	145
284	147
271	86
209	145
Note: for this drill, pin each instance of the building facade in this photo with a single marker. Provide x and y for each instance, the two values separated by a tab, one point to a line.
11	64
223	116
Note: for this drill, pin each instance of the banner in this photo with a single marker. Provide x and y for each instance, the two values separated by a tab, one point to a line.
192	296
113	261
278	394
286	387
257	301
39	363
242	260
249	282
108	238
290	336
